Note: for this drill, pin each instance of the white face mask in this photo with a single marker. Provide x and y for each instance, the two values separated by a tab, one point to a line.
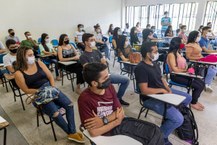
29	37
31	60
81	29
209	34
47	40
156	56
119	33
198	39
92	44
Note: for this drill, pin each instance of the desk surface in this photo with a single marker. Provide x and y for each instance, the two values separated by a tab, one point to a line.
172	99
115	140
3	123
9	76
129	63
204	62
188	75
47	55
66	63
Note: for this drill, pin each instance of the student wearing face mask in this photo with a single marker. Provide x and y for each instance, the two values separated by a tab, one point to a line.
116	38
30	42
32	76
46	48
133	36
177	63
78	36
90	55
182	34
153	83
101	112
111	30
66	52
147	35
101	43
127	29
10	58
12	36
204	41
193	52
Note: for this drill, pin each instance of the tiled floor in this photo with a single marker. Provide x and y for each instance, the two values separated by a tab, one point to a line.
25	121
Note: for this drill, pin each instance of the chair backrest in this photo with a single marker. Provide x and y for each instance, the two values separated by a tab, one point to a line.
73	44
39	40
55	42
110	39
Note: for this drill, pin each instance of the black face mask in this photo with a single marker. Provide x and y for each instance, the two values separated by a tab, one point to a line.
66	42
105	84
13	50
12	34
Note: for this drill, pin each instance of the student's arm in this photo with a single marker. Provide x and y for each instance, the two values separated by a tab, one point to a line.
42	50
166	86
172	63
147	90
60	55
7	64
3	50
208	50
20	81
114	44
106	128
47	72
189	55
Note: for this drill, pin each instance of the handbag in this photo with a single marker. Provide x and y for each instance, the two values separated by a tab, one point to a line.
135	57
45	95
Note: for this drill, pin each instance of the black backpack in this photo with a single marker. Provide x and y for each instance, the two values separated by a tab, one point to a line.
147	133
188	130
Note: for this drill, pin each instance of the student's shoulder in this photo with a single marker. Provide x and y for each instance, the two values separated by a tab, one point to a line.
85	95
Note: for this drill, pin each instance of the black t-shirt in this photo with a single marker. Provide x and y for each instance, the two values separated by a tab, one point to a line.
89	57
146	73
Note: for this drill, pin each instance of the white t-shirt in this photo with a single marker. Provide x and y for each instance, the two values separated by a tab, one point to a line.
1	45
8	59
79	36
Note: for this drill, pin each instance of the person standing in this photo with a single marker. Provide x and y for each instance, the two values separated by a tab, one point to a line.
165	22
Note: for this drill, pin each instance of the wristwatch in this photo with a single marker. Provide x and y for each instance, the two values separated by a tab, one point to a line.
105	120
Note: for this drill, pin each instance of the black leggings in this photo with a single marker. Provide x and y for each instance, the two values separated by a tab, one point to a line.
77	69
197	85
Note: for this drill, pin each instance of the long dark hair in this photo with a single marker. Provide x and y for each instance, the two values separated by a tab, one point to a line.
21	62
116	37
110	29
175	45
168	30
61	39
132	31
192	37
43	42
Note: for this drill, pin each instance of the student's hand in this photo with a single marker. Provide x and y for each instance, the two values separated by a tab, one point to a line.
94	122
119	115
164	91
76	57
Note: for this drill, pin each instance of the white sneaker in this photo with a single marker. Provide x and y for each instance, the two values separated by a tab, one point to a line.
208	88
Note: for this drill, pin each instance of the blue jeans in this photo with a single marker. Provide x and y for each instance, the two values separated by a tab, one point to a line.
56	66
106	50
174	118
211	73
53	106
123	81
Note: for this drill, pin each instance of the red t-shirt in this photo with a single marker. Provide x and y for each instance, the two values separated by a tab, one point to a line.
102	105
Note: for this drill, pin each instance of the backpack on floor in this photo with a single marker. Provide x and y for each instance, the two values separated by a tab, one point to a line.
188	131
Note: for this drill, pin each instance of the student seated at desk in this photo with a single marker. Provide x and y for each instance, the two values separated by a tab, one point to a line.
30	42
169	31
33	76
182	34
116	38
78	36
101	43
101	112
193	52
90	56
204	41
66	52
177	63
134	36
46	48
147	35
10	58
12	35
153	83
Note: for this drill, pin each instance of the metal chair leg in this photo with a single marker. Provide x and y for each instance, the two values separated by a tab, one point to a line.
37	118
5	136
140	112
54	133
146	113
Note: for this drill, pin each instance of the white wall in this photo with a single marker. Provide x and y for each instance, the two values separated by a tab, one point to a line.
57	16
200	13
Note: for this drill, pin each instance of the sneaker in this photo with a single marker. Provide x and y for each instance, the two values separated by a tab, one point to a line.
208	88
76	137
123	102
167	142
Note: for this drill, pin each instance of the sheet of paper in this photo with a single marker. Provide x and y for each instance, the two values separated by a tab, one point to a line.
2	120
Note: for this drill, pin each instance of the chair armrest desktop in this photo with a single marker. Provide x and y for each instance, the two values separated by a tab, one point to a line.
188	75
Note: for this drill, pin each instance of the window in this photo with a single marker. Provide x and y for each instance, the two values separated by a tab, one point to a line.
211	14
184	13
